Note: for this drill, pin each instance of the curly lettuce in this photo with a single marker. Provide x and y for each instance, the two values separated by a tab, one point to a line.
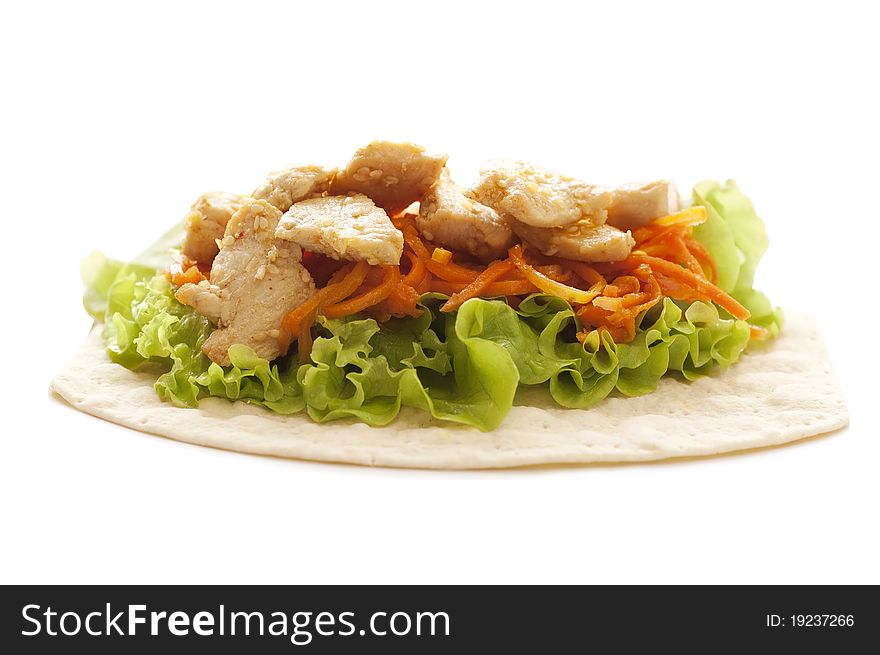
144	324
462	367
737	239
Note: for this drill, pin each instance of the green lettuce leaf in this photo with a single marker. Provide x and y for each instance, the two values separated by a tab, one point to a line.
145	323
737	239
98	272
463	367
431	363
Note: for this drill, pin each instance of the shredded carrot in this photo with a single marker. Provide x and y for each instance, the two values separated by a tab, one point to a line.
426	284
617	313
758	333
304	340
701	253
191	275
366	299
494	271
402	301
687	278
609	297
416	272
351	278
547	284
450	271
670	245
494	290
412	239
184	270
588	274
691	216
321	268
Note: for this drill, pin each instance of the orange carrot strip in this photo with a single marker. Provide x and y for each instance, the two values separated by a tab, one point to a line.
348	284
509	288
191	275
184	270
673	249
304	340
425	285
494	271
413	240
702	254
291	325
586	272
445	287
401	301
416	273
451	272
546	284
494	290
687	278
366	299
691	216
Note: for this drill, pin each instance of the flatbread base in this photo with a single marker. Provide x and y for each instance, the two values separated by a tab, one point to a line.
779	393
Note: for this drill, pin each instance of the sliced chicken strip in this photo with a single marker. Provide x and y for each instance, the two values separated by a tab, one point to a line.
206	223
343	227
285	187
203	297
539	197
448	218
255	281
583	241
393	175
633	205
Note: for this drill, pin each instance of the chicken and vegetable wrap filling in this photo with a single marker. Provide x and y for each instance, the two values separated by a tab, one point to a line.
348	293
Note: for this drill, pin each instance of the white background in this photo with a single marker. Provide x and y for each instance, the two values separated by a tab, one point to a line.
116	116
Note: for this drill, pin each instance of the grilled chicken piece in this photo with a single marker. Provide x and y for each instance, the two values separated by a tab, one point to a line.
448	218
255	281
343	227
206	223
394	175
203	297
633	205
285	187
539	197
582	241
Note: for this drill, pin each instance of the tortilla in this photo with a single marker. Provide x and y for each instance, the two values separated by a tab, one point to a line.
778	393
